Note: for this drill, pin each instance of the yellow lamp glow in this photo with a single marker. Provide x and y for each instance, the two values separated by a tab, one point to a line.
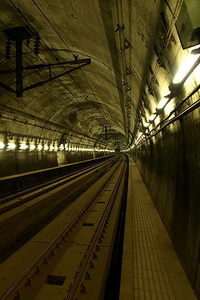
39	147
23	146
162	103
61	147
11	146
2	145
152	117
32	147
186	66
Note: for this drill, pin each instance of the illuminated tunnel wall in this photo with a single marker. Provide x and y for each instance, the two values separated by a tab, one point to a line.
170	166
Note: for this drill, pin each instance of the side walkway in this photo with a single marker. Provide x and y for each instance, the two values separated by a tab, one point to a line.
150	267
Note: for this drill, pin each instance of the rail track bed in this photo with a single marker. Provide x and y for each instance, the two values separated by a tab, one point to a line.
43	186
70	258
23	214
16	185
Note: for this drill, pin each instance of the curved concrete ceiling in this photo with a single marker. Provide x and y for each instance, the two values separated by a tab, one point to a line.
100	102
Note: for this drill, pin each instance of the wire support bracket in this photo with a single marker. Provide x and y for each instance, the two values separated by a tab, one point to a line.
18	34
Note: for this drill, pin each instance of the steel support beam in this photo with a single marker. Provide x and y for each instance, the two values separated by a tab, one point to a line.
19	69
55	77
18	34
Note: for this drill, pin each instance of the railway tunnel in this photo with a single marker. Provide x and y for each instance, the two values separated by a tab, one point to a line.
109	89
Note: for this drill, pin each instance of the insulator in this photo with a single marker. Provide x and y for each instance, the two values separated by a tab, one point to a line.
36	48
37	45
8	49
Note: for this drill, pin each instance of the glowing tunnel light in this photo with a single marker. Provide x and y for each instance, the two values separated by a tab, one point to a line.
146	125
23	146
162	103
39	147
11	146
152	117
137	139
61	147
32	147
2	145
185	68
51	148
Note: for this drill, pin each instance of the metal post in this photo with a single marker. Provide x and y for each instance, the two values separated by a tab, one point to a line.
19	69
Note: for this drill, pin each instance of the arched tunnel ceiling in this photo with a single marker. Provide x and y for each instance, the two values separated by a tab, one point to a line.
98	101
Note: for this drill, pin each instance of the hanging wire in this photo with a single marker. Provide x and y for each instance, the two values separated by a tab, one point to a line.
71	76
69	50
74	96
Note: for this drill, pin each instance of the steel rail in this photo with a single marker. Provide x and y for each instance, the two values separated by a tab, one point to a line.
94	241
43	188
57	178
21	182
25	278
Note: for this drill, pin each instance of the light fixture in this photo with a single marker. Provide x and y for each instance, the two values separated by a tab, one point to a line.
61	147
152	117
31	146
189	64
11	146
137	139
39	147
146	124
23	146
162	103
46	147
51	148
2	145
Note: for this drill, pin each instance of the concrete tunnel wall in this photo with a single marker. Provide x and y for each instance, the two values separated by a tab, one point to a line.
170	166
20	161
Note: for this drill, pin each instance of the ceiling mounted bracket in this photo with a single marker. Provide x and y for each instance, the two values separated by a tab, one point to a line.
18	34
81	63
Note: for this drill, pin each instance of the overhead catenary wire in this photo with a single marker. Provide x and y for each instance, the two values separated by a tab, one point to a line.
64	44
46	45
74	96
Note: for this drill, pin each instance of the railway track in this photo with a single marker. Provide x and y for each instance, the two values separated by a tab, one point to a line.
21	216
70	258
19	184
12	201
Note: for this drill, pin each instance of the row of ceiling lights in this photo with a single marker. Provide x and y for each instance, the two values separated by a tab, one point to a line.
190	62
47	147
180	77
